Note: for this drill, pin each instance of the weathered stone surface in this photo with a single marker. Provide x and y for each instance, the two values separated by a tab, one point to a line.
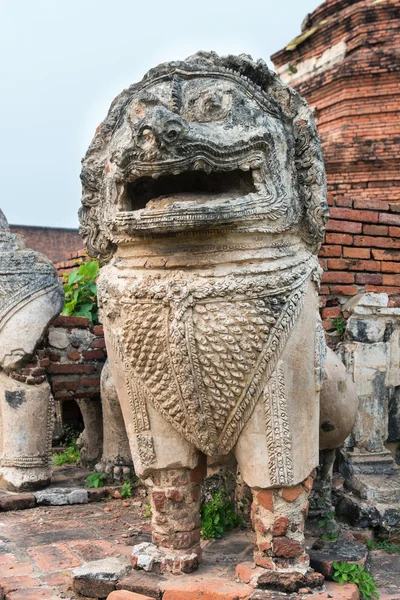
338	404
116	460
147	584
342	550
98	579
26	429
17	501
30	297
161	560
212	332
61	496
371	352
289	582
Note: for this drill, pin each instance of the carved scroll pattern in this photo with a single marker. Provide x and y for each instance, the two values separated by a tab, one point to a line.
319	354
137	400
279	440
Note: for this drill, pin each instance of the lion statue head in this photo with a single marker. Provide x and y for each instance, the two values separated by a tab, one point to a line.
200	144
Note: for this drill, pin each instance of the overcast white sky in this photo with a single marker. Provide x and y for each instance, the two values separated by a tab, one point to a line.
63	61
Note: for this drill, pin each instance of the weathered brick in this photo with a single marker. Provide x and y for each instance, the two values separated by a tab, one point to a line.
330	250
375	229
392	255
98	343
343	290
290	494
98	330
372	278
344	239
390	280
265	498
348	214
389	219
394	231
93	354
364	253
338	277
70	369
378	242
62	321
391	267
286	547
331	312
344	226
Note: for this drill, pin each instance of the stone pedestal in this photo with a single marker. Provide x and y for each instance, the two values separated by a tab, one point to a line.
371	351
26	426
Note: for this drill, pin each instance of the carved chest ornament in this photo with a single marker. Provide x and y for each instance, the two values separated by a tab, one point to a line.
202	351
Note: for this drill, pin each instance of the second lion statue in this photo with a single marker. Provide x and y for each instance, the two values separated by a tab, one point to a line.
204	190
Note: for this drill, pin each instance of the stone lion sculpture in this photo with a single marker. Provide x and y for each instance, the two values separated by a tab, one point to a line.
30	297
204	189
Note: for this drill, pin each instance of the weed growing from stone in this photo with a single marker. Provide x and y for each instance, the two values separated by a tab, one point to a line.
218	516
353	573
328	524
81	292
385	545
126	490
339	324
147	510
95	480
70	455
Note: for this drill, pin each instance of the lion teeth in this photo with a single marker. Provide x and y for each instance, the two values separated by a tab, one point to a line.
244	167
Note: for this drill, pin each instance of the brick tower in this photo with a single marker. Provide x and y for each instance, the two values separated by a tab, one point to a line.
346	63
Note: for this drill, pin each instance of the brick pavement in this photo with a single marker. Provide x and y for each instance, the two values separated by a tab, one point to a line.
39	547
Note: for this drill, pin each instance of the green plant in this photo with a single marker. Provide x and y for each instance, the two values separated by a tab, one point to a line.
386	545
345	572
147	510
126	490
328	524
95	480
70	454
81	291
339	324
218	516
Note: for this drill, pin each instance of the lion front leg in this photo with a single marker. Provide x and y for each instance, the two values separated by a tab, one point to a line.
175	516
276	452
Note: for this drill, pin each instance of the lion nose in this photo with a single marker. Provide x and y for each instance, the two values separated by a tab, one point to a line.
173	131
167	128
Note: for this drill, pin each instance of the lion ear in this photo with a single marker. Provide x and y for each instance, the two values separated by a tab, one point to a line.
311	177
97	245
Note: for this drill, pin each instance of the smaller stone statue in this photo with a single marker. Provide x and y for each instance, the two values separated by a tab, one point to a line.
30	297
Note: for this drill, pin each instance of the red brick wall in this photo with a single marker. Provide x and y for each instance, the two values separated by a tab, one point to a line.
71	357
74	370
56	243
357	109
71	262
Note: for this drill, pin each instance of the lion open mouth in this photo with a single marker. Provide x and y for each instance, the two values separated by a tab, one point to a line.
196	186
195	194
